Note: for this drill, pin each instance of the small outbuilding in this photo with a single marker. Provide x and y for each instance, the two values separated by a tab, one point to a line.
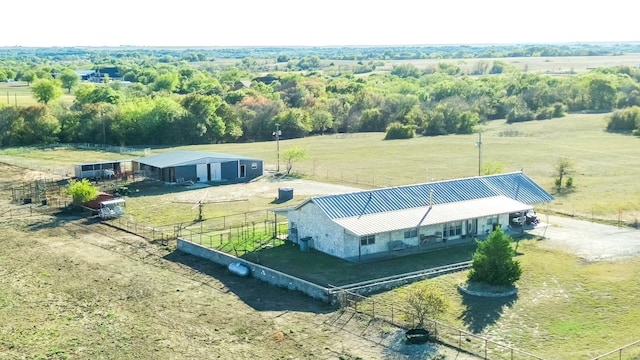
406	219
103	169
195	166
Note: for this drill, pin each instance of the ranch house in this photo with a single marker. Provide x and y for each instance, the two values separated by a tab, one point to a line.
195	166
402	220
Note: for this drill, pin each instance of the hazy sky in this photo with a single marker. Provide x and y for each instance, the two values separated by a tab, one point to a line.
313	23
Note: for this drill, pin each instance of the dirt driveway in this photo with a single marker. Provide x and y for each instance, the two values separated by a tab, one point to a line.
588	240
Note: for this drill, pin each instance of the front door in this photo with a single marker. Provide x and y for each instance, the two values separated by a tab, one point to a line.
201	172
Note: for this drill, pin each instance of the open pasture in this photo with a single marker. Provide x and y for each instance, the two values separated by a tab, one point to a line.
606	167
566	308
18	93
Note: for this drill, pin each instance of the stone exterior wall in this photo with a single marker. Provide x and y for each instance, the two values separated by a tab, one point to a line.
265	274
326	235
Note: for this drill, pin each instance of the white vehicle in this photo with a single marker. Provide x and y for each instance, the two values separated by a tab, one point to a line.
111	209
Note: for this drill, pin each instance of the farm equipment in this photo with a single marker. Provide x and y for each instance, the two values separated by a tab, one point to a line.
111	209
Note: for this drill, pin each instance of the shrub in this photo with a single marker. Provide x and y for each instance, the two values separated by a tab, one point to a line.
493	262
397	130
569	182
624	120
82	191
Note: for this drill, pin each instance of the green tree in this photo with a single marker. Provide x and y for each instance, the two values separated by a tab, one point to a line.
166	82
426	301
28	76
201	120
292	155
563	166
493	262
295	123
602	91
321	121
69	79
46	90
405	71
81	191
492	167
40	126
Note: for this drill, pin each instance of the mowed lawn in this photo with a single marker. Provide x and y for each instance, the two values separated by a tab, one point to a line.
566	308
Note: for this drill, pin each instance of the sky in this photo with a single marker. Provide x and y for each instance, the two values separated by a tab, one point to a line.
45	23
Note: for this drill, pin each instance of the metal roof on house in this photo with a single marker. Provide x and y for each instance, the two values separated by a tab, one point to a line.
180	158
516	186
425	215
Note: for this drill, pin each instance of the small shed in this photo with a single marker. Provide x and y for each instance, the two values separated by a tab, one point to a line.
184	166
102	169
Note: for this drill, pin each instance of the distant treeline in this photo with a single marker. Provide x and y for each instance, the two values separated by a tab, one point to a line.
150	100
328	52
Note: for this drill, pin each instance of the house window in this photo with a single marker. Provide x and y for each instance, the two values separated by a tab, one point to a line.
411	233
254	166
492	220
367	240
453	229
243	171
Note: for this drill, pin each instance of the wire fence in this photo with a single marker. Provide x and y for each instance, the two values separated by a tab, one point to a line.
627	352
460	339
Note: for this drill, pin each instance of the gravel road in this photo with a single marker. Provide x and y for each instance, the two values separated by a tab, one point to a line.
588	240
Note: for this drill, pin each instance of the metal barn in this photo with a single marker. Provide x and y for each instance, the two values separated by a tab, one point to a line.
184	166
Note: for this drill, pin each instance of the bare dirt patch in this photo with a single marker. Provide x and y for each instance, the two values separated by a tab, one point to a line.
75	289
266	187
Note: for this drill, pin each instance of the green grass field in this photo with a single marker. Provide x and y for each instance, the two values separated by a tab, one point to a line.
565	309
606	165
19	94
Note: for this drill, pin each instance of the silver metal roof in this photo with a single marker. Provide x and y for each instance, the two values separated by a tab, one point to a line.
516	186
180	158
425	215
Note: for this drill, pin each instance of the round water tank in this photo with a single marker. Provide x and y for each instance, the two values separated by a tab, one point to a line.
239	269
285	194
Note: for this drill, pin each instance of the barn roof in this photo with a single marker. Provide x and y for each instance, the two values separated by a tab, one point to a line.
180	158
516	186
425	215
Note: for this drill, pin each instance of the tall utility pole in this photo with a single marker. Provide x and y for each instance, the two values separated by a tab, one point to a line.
479	144
104	133
277	134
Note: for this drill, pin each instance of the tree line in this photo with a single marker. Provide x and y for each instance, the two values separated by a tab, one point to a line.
178	103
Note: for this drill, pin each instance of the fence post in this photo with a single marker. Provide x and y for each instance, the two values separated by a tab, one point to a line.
485	348
373	309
